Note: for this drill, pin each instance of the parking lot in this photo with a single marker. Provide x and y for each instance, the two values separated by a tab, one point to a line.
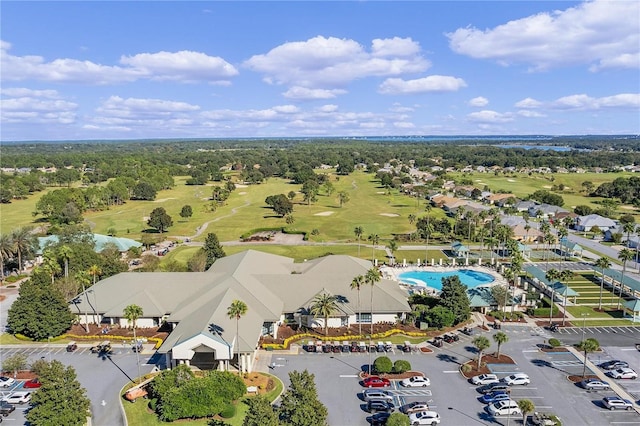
102	376
453	397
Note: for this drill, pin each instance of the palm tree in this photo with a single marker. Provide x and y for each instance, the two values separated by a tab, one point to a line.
51	265
481	343
628	228
587	346
95	271
392	246
324	304
602	263
509	276
565	276
6	251
357	284
358	232
374	238
427	231
23	242
549	239
500	338
412	219
371	278
343	197
132	313
638	246
526	406
552	276
562	235
235	311
65	253
624	255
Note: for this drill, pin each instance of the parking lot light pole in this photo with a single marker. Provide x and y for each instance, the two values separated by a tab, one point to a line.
584	320
49	344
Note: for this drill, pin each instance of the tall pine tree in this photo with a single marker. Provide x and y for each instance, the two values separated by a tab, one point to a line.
300	404
213	249
454	297
60	400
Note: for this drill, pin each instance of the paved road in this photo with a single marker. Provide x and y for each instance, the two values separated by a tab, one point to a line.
588	244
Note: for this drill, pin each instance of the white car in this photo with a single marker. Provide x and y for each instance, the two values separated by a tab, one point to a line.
517	379
623	373
424	418
484	379
415	382
417	407
504	408
5	382
18	398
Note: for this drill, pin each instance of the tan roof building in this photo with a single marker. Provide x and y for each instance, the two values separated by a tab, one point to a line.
274	288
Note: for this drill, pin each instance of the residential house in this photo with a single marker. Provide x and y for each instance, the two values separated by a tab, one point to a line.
586	223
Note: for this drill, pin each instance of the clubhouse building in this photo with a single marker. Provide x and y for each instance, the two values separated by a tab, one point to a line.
275	289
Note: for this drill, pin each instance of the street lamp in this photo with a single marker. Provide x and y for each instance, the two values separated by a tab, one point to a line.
49	344
584	320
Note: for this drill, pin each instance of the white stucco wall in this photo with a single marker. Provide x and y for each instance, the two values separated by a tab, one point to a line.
140	323
185	349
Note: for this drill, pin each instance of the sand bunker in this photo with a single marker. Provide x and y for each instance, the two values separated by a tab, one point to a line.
241	186
145	218
547	187
381	192
162	200
324	214
242	193
389	214
511	180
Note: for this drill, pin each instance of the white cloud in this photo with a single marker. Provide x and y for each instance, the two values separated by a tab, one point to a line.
322	62
394	47
328	108
530	114
432	83
528	103
183	66
21	104
404	125
303	93
479	101
401	108
138	107
286	109
488	116
585	102
601	33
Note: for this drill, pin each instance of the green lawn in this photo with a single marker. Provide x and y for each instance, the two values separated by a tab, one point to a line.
577	312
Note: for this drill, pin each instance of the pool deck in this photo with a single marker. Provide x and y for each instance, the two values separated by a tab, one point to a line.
392	273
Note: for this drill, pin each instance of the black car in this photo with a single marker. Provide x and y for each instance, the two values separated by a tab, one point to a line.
379	419
493	387
380	406
6	408
614	365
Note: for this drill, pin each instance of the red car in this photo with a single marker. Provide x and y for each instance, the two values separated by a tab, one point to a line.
376	382
32	384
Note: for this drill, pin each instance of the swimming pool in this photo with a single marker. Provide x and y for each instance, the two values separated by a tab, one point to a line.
468	277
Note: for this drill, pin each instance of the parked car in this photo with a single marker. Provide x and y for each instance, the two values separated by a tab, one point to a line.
594	384
516	379
371	394
32	384
437	342
6	408
71	346
379	419
379	406
416	407
424	418
450	338
493	387
407	346
468	331
614	364
376	382
492	397
484	379
18	398
102	348
616	403
503	408
5	382
415	382
623	373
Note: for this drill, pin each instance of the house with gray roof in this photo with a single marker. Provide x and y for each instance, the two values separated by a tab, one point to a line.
585	223
274	288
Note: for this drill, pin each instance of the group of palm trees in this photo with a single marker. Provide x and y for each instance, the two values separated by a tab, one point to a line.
19	243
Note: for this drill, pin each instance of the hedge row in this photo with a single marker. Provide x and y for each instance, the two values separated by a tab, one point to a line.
158	341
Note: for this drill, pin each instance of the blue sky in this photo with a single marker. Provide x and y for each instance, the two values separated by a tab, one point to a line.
132	70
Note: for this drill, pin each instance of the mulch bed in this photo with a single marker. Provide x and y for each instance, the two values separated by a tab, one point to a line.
94	330
486	359
576	379
550	349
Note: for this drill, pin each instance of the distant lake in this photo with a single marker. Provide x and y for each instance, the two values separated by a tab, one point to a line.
541	147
